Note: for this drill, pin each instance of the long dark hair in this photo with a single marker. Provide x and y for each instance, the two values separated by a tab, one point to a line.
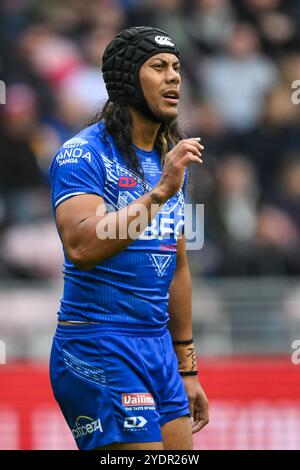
118	123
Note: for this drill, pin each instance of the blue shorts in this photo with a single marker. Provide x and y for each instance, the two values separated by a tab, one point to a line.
113	385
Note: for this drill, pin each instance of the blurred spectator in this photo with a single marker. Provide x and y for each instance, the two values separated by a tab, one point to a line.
20	176
169	15
275	249
289	67
211	23
275	229
239	60
274	21
62	57
287	190
276	135
239	80
230	213
23	250
238	193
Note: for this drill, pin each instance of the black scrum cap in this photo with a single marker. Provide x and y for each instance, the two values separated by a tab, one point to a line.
123	58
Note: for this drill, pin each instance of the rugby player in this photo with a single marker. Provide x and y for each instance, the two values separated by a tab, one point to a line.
123	367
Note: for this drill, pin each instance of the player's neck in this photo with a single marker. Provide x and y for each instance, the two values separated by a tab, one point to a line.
144	131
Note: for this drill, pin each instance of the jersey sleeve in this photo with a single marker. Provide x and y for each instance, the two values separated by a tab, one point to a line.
74	171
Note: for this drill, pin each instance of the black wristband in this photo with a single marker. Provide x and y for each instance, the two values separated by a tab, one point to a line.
189	341
184	374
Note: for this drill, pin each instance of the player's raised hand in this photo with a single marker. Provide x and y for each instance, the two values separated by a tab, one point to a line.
185	152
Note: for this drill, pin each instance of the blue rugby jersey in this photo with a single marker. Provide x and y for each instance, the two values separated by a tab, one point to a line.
130	288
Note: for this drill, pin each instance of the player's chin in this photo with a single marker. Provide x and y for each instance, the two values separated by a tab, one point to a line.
168	114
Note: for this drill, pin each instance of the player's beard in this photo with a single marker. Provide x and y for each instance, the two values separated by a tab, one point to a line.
161	115
165	117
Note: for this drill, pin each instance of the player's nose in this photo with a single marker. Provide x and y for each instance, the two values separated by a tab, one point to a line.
172	75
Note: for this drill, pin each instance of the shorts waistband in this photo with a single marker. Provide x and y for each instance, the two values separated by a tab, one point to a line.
95	329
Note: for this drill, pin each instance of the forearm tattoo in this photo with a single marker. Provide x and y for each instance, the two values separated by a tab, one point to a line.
186	355
156	199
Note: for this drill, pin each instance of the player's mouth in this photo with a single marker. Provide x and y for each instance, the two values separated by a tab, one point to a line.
171	96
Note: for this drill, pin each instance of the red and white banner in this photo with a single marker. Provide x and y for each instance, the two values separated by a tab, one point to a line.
254	404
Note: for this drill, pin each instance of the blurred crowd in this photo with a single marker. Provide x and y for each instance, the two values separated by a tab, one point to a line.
239	61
